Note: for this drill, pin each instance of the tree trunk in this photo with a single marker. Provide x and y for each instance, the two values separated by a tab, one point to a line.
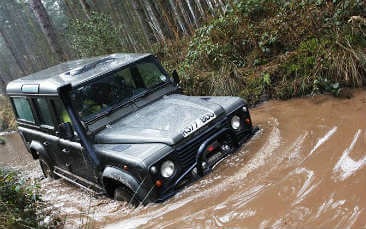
70	10
40	40
178	17
207	6
13	52
193	10
154	23
185	16
128	25
139	14
124	30
164	22
166	13
200	9
86	8
47	28
2	85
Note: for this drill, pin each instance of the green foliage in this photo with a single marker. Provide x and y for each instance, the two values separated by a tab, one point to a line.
324	85
251	8
213	44
95	37
259	49
19	203
264	49
256	88
7	119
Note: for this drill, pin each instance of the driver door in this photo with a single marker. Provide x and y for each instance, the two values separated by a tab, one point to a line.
71	153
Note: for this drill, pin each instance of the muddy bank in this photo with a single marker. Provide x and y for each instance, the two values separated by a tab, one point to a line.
306	168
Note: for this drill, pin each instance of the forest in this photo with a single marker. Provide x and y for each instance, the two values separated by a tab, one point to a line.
257	49
36	34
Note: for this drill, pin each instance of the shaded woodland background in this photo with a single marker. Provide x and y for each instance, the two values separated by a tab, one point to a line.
36	34
256	49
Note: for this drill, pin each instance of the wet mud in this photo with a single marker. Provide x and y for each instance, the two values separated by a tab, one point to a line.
306	168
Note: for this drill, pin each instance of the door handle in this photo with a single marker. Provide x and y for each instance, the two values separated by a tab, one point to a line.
45	143
66	151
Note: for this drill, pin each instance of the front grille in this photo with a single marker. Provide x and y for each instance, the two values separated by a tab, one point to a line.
186	154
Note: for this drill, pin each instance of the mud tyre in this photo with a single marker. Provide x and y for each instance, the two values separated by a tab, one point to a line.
47	169
124	194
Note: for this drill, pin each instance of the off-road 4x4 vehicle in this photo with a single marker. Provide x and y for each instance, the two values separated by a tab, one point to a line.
118	125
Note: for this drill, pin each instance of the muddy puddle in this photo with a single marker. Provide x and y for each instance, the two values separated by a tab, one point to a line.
306	168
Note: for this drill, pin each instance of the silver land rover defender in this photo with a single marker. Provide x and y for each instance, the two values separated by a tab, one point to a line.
118	125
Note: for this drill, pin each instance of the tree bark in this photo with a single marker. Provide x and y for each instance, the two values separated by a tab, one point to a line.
200	9
184	13
2	85
164	22
166	13
178	17
193	11
70	10
139	13
47	28
124	31
13	52
153	22
86	8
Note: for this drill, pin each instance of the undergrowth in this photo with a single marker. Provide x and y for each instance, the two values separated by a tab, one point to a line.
258	49
263	49
20	204
7	119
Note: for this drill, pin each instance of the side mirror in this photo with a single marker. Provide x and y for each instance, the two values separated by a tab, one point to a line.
66	131
175	77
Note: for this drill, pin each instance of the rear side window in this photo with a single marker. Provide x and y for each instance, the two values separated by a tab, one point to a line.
23	109
43	111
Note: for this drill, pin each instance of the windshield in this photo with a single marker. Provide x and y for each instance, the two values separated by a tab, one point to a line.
118	87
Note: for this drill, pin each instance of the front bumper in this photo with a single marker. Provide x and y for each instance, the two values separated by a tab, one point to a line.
197	170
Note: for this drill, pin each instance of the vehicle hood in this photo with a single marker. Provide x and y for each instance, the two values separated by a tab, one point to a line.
162	121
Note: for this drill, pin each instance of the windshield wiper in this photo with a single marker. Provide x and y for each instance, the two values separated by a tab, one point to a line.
149	91
111	109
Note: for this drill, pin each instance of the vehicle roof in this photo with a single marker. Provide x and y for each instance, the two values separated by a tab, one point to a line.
73	72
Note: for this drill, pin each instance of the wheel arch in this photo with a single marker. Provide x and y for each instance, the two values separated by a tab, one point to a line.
113	177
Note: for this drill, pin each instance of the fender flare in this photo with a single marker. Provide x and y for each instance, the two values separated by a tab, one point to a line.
126	179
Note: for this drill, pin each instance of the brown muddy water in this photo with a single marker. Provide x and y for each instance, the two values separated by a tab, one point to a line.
306	168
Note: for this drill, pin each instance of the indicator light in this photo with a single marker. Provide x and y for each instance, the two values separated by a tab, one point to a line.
210	149
158	183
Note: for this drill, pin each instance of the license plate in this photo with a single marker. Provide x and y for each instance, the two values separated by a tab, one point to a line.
198	123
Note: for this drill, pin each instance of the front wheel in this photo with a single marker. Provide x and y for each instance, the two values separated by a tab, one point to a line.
124	194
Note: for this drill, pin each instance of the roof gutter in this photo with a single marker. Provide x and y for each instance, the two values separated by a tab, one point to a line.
91	155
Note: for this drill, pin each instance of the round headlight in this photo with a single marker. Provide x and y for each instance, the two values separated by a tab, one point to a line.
167	169
235	122
245	109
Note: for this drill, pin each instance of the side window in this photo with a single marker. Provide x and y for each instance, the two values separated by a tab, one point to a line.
43	111
23	109
61	112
